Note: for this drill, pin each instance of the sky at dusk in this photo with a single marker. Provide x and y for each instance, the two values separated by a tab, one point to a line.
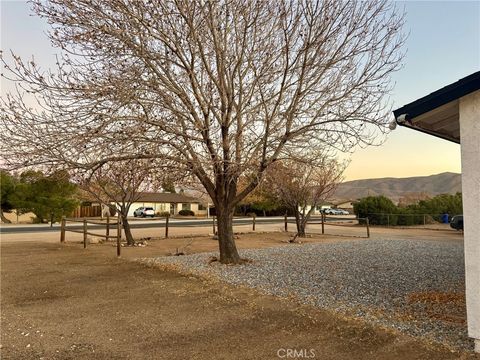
443	46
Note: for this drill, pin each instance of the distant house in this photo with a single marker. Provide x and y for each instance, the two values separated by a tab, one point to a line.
168	202
344	204
160	202
318	209
332	204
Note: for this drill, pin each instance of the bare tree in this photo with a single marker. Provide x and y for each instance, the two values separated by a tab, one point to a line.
221	88
118	185
303	185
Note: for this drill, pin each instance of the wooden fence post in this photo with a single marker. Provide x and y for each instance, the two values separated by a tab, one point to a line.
368	227
253	221
166	225
213	222
119	234
107	230
286	223
84	233
62	230
323	223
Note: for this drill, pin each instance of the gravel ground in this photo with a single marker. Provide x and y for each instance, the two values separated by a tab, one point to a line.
373	280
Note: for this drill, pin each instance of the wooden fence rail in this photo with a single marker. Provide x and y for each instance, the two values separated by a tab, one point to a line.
323	222
118	225
85	232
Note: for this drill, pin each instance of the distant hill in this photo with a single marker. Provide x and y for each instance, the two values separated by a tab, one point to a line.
397	188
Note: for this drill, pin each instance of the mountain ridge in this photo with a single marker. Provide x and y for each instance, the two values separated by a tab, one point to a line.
397	188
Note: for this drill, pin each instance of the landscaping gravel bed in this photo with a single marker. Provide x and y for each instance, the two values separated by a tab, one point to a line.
403	284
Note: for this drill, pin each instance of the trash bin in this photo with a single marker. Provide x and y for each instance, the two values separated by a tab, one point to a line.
445	218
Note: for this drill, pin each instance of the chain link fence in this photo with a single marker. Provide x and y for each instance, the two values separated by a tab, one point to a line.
427	221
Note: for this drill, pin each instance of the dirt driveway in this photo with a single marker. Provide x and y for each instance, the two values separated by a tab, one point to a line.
64	302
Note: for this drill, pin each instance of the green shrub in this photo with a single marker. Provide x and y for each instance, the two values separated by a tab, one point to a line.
163	214
376	209
407	217
37	220
440	204
186	213
382	211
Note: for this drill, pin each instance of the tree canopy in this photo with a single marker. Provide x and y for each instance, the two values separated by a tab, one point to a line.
302	185
48	197
7	187
221	89
376	209
118	185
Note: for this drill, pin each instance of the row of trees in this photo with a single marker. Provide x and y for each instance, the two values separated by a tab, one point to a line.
297	187
219	90
116	185
376	209
48	197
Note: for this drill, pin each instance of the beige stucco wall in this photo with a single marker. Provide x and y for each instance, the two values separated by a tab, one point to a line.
194	208
345	205
470	150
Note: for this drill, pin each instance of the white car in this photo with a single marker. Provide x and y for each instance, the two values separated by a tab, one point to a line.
331	211
144	212
336	212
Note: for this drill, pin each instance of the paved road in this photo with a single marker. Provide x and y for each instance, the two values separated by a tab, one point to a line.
152	223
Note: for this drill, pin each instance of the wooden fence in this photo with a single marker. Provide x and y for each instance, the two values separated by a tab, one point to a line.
108	225
118	226
87	211
323	222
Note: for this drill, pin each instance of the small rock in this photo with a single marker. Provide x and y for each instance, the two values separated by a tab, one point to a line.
95	240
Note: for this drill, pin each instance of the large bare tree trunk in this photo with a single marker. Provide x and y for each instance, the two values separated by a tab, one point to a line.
226	242
300	225
127	230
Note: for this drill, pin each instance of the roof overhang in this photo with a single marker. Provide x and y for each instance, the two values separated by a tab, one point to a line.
438	113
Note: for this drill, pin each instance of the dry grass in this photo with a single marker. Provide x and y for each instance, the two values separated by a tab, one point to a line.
444	306
86	304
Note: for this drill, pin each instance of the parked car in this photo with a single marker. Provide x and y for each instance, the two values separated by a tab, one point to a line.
144	212
333	212
457	222
343	212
